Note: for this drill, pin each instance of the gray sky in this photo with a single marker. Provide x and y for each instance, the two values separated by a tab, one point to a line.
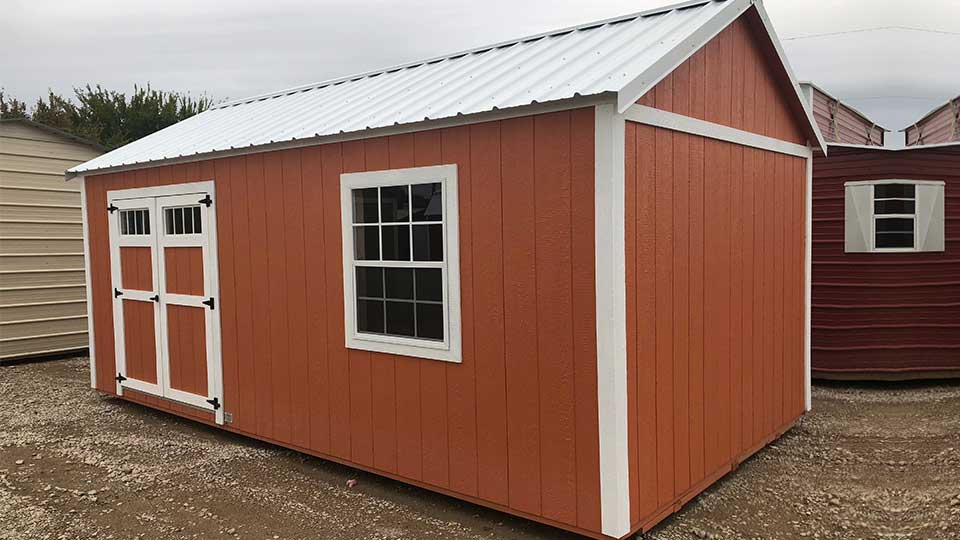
244	47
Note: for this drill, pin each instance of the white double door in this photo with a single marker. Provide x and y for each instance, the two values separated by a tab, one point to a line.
165	291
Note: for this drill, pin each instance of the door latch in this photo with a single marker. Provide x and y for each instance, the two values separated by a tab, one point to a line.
155	298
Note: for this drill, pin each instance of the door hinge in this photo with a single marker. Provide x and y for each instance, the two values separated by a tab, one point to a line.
206	200
215	402
117	293
112	208
120	378
155	298
209	302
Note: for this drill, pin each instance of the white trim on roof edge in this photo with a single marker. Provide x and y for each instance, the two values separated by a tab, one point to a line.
611	294
821	143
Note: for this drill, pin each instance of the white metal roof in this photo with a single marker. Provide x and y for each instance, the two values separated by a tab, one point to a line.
625	56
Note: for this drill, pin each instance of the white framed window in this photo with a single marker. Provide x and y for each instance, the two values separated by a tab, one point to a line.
890	216
401	261
135	222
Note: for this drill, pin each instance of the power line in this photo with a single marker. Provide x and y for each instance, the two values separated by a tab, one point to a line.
873	29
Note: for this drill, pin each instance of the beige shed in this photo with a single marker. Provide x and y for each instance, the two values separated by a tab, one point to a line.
43	307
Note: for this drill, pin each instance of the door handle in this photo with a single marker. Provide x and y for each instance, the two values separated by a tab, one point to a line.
155	298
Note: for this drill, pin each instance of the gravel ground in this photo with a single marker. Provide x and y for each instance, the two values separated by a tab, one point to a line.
878	461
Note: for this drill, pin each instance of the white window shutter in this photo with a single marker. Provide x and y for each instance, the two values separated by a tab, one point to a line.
857	214
930	217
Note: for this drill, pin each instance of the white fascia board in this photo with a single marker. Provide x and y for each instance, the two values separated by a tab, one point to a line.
808	288
640	85
678	122
88	279
610	267
768	26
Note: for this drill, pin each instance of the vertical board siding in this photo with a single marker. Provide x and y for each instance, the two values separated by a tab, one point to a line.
733	67
514	424
184	270
715	251
136	268
186	342
692	302
884	312
139	335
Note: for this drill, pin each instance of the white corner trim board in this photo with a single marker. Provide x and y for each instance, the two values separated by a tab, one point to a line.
678	122
610	261
88	280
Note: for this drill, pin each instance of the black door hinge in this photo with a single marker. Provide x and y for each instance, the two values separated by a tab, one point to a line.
209	302
117	293
111	208
215	402
206	200
155	298
120	378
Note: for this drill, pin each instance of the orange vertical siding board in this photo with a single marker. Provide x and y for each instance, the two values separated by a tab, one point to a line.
487	226
554	320
243	396
520	315
583	246
646	294
315	294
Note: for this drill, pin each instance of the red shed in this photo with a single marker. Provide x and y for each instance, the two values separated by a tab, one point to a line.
886	235
561	276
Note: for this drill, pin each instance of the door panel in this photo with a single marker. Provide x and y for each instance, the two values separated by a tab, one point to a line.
136	268
139	333
186	346
184	270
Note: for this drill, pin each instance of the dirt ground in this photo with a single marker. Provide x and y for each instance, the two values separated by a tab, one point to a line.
872	461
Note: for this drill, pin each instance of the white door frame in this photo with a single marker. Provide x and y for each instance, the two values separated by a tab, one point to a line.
175	195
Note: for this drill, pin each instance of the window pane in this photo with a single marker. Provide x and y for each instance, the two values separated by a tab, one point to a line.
178	220
428	242
894	233
370	316
366	243
139	216
146	222
123	223
399	283
893	207
396	243
893	191
187	221
168	217
394	205
131	223
430	321
894	240
196	220
365	205
369	282
400	318
895	225
429	284
427	202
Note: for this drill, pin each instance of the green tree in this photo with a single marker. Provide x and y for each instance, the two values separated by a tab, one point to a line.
113	119
11	107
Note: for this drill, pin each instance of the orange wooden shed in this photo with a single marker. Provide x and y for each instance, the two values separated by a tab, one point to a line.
563	276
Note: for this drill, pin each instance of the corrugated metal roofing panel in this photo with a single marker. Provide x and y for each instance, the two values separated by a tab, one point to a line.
587	60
